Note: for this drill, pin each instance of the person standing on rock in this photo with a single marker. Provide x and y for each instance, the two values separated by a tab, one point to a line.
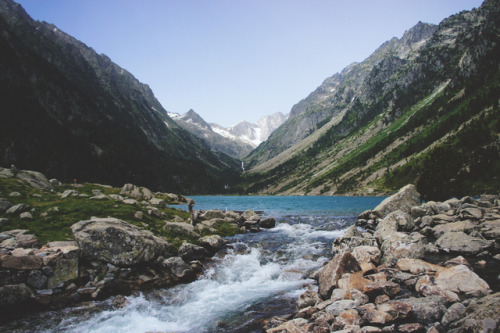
194	214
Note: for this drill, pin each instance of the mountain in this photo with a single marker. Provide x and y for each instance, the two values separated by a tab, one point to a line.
421	109
74	114
236	141
213	135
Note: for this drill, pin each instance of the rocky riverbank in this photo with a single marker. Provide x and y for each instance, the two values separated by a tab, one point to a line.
403	268
104	256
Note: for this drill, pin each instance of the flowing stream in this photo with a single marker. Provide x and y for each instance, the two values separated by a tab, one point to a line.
254	278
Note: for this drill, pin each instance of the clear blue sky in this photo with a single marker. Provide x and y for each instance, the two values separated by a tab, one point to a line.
234	60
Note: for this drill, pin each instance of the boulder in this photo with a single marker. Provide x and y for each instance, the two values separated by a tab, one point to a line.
491	229
117	242
22	262
182	228
36	280
352	239
333	271
26	216
368	254
404	199
136	192
14	296
417	266
4	205
179	268
427	287
268	223
352	281
462	243
377	288
426	310
397	245
250	215
464	226
69	193
190	252
212	243
461	280
35	179
453	313
64	270
18	209
308	298
482	315
395	308
339	306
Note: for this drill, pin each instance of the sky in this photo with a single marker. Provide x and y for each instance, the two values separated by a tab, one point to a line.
235	60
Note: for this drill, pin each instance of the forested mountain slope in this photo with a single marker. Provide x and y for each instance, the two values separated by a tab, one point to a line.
423	109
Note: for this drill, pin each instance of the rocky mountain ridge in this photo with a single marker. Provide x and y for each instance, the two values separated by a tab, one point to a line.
236	141
72	113
421	109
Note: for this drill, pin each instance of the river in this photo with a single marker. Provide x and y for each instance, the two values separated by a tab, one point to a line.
256	276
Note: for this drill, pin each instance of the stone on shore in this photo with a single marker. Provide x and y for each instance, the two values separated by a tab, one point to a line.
461	280
404	200
333	271
457	241
117	242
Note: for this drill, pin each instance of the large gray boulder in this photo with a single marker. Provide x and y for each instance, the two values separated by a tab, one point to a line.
35	179
457	241
404	199
117	242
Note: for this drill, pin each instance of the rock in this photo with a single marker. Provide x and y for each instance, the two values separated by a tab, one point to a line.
491	229
377	288
212	243
18	209
333	271
427	287
338	306
462	243
397	245
411	328
396	309
457	261
65	270
182	271
117	242
443	219
4	205
181	228
404	199
464	226
54	182
189	252
352	239
292	326
308	298
35	179
482	315
68	248
26	216
461	280
22	262
250	215
100	197
352	281
139	215
417	266
136	192
472	213
369	329
268	223
69	193
377	317
36	280
131	202
347	317
367	254
14	296
453	313
426	309
3	221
